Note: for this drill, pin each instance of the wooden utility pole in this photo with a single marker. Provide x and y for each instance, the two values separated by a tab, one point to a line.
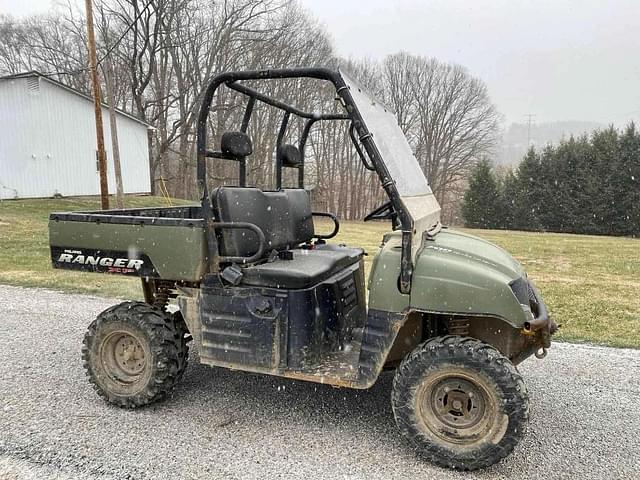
113	126
97	102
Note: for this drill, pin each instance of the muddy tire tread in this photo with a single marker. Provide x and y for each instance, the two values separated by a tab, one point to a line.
475	354
166	342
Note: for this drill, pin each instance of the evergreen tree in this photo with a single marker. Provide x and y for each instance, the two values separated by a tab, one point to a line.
625	185
583	185
481	201
509	191
529	191
572	192
599	183
548	203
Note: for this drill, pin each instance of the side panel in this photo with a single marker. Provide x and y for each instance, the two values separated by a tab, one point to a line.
175	252
312	334
326	319
384	294
378	338
279	330
241	327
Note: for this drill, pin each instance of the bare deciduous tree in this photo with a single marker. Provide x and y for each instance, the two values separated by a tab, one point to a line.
160	55
446	114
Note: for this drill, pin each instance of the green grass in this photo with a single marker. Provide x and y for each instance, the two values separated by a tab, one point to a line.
591	284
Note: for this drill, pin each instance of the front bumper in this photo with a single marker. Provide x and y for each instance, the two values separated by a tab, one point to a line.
542	325
538	330
541	320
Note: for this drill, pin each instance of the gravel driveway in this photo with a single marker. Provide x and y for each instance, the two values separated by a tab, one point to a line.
220	424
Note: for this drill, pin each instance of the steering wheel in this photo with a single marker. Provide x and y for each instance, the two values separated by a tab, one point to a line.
383	212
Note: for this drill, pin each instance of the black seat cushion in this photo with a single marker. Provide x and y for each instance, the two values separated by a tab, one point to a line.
284	217
306	269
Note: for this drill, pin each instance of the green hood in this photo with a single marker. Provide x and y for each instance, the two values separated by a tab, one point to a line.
462	274
474	249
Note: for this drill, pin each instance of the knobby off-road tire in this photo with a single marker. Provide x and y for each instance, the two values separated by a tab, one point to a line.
181	333
460	402
134	354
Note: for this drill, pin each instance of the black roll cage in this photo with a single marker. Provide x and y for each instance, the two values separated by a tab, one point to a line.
358	132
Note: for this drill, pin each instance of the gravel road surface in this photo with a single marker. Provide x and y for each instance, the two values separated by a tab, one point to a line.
585	410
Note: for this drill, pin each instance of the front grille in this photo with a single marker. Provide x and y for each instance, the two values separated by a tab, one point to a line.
521	290
533	300
525	294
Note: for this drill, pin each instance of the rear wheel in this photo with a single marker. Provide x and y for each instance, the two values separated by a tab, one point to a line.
182	338
134	354
460	402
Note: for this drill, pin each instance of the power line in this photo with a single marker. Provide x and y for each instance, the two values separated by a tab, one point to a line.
129	27
529	117
108	52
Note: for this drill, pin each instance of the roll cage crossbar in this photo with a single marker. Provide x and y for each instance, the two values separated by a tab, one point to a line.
358	133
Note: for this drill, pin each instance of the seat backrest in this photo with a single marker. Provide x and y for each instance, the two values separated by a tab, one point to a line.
284	216
236	144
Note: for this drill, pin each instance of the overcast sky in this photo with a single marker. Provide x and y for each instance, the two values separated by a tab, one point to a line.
557	59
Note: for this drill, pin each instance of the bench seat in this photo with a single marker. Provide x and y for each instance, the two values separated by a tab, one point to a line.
306	269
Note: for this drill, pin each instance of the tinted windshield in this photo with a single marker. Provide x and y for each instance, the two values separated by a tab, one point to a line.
390	140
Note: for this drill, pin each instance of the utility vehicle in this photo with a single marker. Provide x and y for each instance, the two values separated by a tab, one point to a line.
259	290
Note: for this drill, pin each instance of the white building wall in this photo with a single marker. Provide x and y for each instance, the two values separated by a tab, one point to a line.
48	143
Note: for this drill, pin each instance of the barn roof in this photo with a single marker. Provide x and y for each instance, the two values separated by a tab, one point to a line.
35	73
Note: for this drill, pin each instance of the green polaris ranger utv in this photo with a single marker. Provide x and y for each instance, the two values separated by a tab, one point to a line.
259	290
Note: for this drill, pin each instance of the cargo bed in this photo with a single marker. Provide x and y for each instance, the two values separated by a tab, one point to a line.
167	243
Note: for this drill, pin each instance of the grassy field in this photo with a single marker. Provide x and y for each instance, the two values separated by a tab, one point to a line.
591	284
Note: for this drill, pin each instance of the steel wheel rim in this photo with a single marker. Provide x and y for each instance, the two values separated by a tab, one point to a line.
124	357
458	408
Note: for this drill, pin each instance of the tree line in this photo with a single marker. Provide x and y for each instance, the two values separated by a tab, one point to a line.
589	184
157	57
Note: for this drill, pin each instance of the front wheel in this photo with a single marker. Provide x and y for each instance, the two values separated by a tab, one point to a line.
460	402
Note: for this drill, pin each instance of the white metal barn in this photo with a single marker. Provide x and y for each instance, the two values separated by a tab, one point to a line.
48	142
